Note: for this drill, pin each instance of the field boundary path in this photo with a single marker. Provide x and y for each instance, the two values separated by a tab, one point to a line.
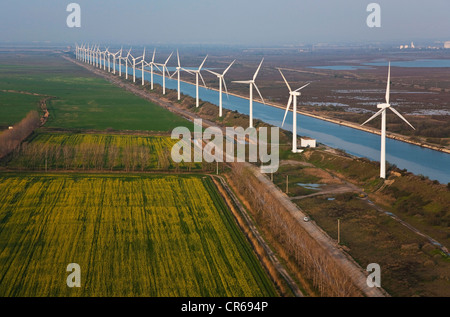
357	274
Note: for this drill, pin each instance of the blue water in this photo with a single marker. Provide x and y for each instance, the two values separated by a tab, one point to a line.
418	160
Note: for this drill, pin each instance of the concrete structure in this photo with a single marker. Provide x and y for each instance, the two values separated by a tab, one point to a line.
307	142
447	44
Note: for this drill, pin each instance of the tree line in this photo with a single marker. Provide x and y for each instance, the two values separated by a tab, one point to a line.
326	276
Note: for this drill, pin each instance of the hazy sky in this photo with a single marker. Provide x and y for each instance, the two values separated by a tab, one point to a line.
252	22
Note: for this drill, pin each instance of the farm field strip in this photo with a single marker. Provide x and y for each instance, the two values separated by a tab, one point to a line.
96	151
132	236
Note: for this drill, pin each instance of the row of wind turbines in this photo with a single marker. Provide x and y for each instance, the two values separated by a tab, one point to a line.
98	58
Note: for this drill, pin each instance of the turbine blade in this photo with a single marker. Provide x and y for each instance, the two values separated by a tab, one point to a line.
375	115
302	87
154	52
167	60
188	71
401	117
287	109
388	88
178	58
223	74
225	85
202	79
256	73
259	93
156	66
287	84
214	73
242	81
173	74
201	65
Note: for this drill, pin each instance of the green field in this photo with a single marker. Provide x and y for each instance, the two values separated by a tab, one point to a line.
131	235
70	151
15	106
82	100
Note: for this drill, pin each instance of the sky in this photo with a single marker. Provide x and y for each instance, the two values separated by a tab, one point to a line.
229	22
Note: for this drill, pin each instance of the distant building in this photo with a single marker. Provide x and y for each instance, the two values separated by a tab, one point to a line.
412	45
10	127
307	142
447	44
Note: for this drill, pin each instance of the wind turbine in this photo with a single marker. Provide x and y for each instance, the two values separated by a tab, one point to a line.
197	74
164	69
114	60
292	97
151	64
126	64
382	111
221	80
251	84
178	71
143	65
134	66
120	62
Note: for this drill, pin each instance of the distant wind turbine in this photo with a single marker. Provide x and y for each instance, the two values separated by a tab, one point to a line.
178	72
292	98
382	111
151	64
221	80
251	84
164	69
197	74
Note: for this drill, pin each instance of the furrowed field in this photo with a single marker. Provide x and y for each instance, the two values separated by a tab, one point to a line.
131	235
67	151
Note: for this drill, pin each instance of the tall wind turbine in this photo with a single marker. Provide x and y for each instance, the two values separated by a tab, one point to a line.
251	84
120	62
151	64
142	62
126	63
114	60
134	65
178	72
164	69
197	74
382	111
221	80
292	97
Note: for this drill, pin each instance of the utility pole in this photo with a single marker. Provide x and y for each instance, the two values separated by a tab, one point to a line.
217	168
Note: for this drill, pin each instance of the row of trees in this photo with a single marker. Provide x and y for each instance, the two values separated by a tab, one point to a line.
10	139
97	156
327	277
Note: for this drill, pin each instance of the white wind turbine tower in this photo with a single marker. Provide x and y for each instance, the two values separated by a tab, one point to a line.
126	63
164	69
292	98
104	57
151	64
120	62
382	111
252	83
134	66
109	60
197	74
114	60
221	80
142	62
178	71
